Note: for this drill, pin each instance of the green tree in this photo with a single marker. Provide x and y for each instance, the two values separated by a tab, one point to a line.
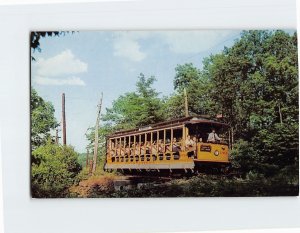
256	81
255	87
42	119
54	169
36	36
135	109
198	87
185	75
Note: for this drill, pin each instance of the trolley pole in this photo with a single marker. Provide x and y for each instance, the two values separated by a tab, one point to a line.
186	107
96	136
64	119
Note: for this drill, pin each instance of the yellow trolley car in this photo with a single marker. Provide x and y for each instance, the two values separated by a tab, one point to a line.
177	144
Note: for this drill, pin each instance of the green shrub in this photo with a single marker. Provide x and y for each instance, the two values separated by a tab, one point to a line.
54	170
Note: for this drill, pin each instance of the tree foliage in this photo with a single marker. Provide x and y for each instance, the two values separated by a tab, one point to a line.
135	109
198	87
257	83
254	85
36	36
53	170
42	119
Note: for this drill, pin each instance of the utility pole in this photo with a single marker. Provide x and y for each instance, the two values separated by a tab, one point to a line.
56	136
87	157
96	136
186	108
91	168
64	119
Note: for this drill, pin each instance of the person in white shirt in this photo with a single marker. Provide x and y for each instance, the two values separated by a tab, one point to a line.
189	142
213	137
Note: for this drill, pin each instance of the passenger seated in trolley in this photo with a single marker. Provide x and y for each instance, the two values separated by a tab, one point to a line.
148	148
136	148
112	149
142	148
167	145
122	151
117	149
176	146
213	137
154	148
127	150
189	143
160	146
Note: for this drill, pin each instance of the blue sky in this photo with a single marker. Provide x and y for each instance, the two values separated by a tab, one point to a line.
86	63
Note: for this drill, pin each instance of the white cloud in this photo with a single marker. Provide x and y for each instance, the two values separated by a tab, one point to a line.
75	81
127	46
59	70
193	41
61	64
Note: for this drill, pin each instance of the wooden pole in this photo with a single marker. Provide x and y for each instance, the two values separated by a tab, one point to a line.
56	136
186	108
64	119
91	167
96	136
87	157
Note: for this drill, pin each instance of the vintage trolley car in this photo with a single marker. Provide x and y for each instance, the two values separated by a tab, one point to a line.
180	144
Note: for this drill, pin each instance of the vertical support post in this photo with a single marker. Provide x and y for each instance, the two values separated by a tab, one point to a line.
186	108
164	148
183	138
151	141
124	147
120	146
115	147
63	99
129	145
172	138
145	145
157	139
134	146
140	140
171	146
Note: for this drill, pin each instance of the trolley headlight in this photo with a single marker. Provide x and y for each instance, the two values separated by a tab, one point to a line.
216	153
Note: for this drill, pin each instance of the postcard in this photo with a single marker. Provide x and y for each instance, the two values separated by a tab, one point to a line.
187	113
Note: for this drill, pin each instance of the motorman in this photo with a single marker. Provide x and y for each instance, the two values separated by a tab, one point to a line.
213	137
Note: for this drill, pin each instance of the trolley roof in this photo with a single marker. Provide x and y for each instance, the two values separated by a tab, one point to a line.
169	124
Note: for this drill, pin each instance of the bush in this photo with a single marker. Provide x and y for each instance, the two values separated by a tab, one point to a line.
54	169
244	157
